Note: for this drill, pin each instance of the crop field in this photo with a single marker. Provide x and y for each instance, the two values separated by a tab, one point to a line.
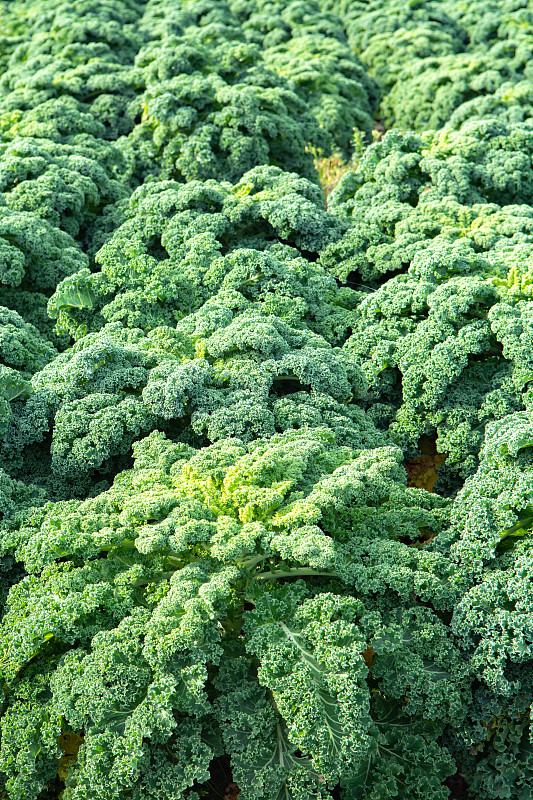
266	399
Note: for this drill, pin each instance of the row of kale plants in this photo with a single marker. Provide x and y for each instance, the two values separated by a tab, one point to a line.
266	467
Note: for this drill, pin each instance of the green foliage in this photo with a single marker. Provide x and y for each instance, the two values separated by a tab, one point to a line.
22	348
62	183
147	590
180	244
429	90
391	34
215	110
405	202
310	49
489	540
222	392
221	373
443	343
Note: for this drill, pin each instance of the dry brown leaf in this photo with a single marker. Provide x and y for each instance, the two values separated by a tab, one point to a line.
69	743
368	655
423	471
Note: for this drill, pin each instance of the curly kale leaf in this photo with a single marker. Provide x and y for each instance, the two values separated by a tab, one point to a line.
180	244
447	193
134	597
